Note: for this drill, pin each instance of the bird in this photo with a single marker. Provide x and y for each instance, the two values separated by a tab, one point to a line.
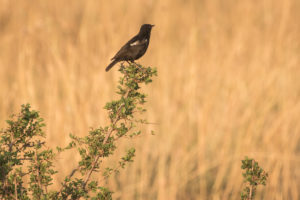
134	48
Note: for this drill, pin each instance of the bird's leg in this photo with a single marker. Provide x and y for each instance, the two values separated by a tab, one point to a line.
132	62
136	64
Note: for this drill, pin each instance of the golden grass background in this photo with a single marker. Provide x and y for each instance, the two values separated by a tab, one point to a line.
228	86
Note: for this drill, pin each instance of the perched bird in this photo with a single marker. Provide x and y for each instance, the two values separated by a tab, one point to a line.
134	48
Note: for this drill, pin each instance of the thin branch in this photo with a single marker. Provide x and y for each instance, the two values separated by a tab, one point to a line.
16	191
252	186
104	141
68	177
38	174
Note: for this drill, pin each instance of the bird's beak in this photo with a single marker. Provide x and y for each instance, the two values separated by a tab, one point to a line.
152	25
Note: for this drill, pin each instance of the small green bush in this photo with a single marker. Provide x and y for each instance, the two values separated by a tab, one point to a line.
254	175
26	163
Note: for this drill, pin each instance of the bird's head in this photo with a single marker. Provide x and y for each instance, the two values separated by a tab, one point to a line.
146	28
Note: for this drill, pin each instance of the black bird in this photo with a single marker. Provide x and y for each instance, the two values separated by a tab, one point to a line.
134	48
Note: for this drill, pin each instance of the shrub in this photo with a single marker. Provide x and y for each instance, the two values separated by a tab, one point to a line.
254	175
27	163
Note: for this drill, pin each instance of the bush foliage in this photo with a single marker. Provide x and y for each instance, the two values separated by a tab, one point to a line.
27	163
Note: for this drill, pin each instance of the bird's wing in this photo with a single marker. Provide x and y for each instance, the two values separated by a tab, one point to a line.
139	42
126	46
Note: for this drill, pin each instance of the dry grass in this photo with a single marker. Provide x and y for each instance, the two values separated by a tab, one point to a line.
228	86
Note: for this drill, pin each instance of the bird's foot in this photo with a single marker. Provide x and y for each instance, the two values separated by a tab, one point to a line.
131	62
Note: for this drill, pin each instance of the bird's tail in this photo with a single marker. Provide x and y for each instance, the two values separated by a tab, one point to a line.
111	65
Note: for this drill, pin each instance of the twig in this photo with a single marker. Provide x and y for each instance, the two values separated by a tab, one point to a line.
38	172
104	142
251	186
68	177
16	191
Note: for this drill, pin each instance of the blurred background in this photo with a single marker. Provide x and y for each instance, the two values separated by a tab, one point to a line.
228	86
